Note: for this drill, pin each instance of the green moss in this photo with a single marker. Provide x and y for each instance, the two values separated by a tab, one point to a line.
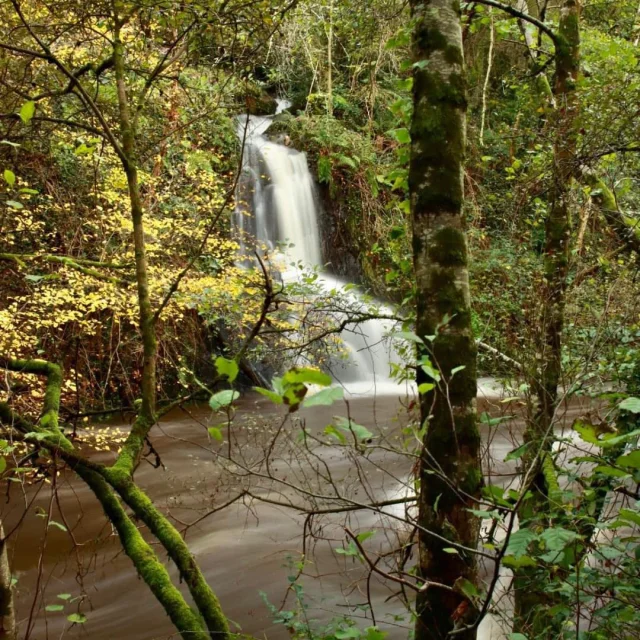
146	562
205	599
448	247
438	118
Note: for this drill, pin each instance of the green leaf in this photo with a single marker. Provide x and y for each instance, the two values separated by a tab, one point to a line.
373	633
54	607
630	404
325	397
425	387
630	460
612	472
457	370
365	535
517	636
14	204
274	397
361	433
351	632
32	192
557	538
27	111
519	542
433	373
613	441
64	596
631	516
223	399
59	525
330	430
402	135
77	618
215	433
519	562
227	368
306	376
3	464
9	177
517	453
450	550
467	587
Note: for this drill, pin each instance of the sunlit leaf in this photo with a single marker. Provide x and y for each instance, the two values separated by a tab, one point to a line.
227	368
27	111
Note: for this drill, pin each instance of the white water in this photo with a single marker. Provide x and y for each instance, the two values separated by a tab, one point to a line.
278	208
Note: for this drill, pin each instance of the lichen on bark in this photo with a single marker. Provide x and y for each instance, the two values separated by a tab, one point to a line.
451	442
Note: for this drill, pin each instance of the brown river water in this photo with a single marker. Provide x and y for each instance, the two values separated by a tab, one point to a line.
242	550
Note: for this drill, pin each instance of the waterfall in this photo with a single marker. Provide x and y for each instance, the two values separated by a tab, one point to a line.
278	208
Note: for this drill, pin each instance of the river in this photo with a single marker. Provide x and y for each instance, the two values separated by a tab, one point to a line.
242	549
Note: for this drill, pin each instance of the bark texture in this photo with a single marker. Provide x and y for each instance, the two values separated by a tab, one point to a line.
450	472
558	224
531	605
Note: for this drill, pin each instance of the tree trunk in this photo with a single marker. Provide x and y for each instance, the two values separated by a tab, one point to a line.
450	472
558	224
530	605
330	61
7	614
147	325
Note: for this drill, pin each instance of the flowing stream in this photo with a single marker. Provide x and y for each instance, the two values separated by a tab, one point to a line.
278	208
242	549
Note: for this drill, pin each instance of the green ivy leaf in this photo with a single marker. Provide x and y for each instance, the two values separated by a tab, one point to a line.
54	607
10	177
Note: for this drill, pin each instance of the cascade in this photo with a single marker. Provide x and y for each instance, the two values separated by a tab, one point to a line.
278	207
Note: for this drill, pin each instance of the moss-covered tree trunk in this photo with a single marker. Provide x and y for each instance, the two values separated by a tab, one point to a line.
558	223
538	511
451	441
147	325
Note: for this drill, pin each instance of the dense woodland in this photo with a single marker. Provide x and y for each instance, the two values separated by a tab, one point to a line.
475	172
